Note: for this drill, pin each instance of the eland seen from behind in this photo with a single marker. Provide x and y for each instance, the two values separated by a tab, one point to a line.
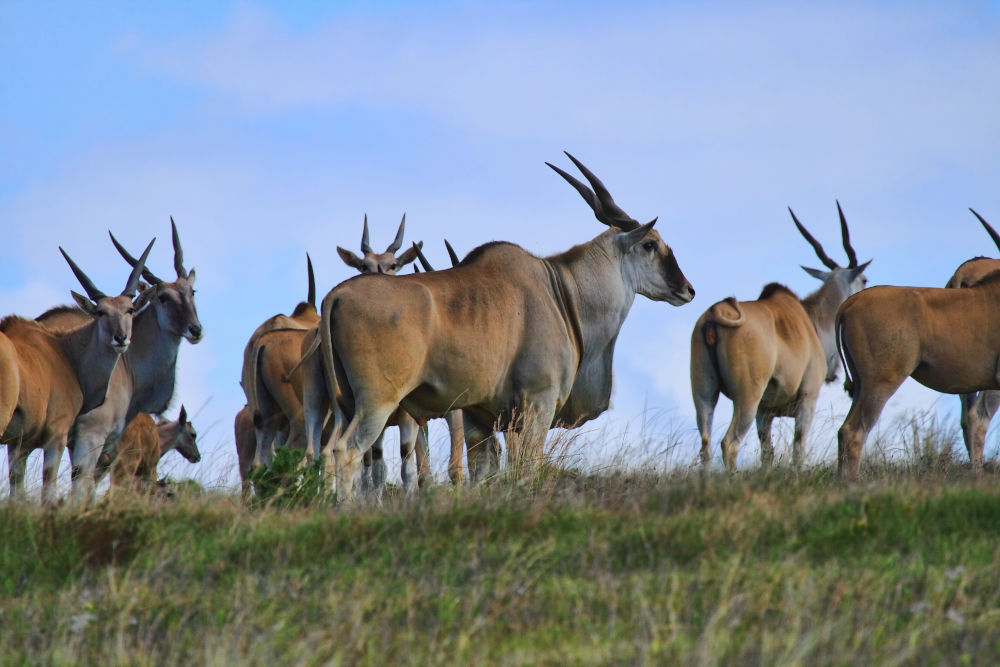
771	356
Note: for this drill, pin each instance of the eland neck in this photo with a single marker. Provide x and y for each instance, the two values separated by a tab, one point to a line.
595	292
93	361
151	361
821	306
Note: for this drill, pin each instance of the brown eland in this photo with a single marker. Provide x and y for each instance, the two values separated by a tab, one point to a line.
505	333
273	380
771	356
268	401
48	377
246	445
316	399
977	408
945	339
144	442
144	380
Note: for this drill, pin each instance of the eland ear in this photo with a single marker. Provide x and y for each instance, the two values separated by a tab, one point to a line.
816	273
85	304
858	270
182	417
145	295
409	254
350	258
190	276
628	240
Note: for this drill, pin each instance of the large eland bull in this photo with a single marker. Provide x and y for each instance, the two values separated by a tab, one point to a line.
771	356
977	408
945	339
516	341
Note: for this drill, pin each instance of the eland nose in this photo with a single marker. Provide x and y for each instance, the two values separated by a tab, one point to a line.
195	330
121	339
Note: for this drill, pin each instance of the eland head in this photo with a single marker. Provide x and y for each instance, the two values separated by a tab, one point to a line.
387	262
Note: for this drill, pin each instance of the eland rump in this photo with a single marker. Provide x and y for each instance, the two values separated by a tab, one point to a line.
503	333
770	356
945	339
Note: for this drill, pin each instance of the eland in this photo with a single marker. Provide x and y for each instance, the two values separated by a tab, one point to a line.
144	380
268	399
518	342
977	408
945	339
771	356
273	380
144	442
49	376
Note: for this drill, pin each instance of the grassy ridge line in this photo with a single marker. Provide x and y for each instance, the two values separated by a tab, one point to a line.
760	567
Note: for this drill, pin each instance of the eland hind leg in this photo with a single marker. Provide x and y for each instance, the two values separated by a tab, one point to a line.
765	419
483	450
804	414
869	400
977	413
17	458
409	431
456	433
361	433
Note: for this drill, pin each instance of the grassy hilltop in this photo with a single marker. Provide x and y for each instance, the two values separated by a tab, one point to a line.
571	567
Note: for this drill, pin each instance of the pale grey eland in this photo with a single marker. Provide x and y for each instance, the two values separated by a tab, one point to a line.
945	339
977	408
48	377
771	356
505	334
144	380
144	442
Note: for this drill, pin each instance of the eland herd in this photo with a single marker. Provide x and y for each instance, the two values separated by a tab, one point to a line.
503	341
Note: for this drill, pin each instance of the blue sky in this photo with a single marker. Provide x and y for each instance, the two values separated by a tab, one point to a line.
269	129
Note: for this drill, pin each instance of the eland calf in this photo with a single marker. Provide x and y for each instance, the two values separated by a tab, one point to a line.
945	339
771	356
505	333
144	442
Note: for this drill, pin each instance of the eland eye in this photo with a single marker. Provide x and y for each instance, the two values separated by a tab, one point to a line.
649	245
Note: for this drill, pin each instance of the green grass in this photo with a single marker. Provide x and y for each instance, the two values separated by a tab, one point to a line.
759	567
